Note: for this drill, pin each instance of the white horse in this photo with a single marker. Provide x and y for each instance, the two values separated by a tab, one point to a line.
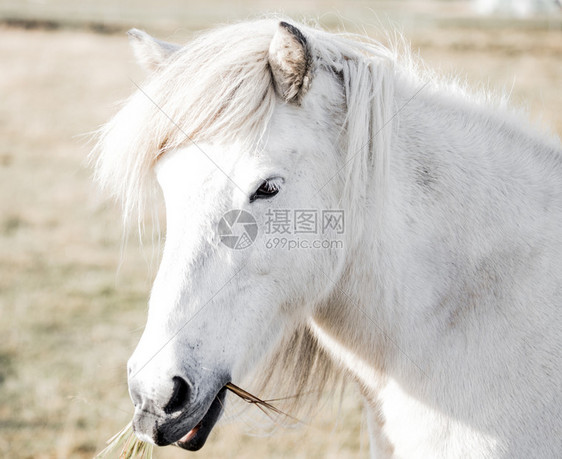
442	299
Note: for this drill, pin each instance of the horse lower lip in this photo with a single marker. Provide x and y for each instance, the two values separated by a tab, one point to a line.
189	435
196	437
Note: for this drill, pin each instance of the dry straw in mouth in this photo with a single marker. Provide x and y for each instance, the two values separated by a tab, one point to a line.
133	448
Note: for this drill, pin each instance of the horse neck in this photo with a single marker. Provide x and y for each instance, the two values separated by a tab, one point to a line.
460	180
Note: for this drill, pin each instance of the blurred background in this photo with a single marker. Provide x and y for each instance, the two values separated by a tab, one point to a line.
72	295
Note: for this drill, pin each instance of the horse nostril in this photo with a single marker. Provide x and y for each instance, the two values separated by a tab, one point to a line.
179	397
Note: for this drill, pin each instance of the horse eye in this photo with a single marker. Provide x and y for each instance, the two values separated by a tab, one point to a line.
267	189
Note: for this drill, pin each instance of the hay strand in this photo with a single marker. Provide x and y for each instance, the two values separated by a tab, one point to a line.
132	448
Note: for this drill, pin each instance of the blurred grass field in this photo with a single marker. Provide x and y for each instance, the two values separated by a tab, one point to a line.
72	299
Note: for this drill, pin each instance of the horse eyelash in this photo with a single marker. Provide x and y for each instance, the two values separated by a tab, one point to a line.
271	184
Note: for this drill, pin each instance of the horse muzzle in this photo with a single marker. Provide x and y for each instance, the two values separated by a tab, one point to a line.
176	411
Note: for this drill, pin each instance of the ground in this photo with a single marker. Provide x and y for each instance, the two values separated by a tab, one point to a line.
72	301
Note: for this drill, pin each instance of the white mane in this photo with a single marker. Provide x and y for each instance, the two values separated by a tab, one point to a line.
219	88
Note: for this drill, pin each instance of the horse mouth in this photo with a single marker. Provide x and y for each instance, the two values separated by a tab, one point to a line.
196	437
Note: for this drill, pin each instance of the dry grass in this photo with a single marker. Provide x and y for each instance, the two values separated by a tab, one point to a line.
125	445
68	318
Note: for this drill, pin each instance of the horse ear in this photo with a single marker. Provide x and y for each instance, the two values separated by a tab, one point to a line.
149	51
290	62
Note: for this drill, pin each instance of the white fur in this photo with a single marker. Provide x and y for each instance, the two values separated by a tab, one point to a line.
445	303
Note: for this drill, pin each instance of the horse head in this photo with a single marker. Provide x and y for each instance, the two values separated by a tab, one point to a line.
229	287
